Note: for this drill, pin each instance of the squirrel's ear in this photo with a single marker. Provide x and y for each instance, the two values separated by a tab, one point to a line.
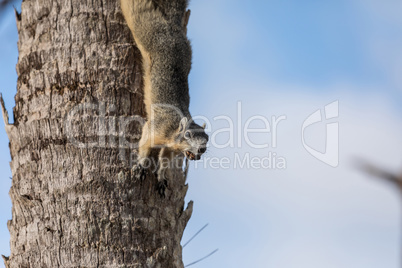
204	125
183	124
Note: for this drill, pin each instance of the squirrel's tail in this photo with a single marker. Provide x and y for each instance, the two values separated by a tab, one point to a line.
156	24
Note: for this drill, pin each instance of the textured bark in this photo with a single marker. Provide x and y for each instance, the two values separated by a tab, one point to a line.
79	206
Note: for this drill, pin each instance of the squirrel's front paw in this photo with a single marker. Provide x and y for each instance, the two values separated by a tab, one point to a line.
161	186
139	172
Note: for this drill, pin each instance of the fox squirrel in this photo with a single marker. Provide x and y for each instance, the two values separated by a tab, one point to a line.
159	28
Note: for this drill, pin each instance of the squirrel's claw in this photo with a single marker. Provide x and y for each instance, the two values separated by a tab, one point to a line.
161	187
139	172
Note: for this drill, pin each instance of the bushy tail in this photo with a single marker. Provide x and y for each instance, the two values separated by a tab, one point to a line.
155	23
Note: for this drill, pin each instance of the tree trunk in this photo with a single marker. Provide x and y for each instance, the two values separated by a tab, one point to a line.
75	202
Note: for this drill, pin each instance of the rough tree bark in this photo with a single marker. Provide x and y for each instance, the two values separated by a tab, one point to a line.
75	203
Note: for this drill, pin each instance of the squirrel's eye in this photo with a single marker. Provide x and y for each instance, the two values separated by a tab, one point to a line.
187	134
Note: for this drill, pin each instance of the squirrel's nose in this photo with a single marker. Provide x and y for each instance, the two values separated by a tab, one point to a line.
202	150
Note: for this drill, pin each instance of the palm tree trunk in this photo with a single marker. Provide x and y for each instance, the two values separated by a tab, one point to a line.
75	202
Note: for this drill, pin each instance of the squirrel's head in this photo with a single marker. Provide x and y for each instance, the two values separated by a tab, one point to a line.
192	139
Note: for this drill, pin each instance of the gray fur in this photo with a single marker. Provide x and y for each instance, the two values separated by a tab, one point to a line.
159	28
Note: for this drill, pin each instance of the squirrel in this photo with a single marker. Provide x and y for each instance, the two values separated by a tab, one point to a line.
159	28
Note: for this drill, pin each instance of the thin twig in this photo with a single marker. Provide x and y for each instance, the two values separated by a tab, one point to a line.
205	226
210	254
4	3
380	173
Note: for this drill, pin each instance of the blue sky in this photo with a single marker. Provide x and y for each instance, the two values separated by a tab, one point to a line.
8	81
284	58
